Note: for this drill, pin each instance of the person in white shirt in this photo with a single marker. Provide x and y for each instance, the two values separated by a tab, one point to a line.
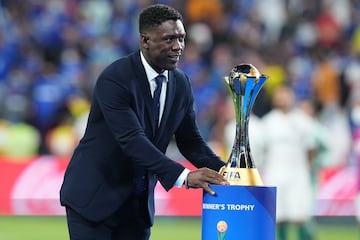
289	147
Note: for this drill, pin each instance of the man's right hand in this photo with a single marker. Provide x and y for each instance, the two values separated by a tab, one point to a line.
202	177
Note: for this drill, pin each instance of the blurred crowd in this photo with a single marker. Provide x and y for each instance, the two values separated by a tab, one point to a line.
51	53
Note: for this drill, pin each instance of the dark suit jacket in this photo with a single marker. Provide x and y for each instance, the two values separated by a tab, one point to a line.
120	141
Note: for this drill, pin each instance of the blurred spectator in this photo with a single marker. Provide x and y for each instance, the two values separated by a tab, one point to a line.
277	74
47	98
98	13
79	108
289	144
355	122
209	11
299	69
62	140
4	135
328	29
18	140
351	77
272	14
325	81
16	96
321	155
356	40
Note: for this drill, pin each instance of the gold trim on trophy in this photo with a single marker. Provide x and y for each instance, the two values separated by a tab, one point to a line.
242	176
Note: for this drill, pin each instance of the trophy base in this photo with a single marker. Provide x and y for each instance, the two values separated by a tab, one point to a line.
239	212
242	176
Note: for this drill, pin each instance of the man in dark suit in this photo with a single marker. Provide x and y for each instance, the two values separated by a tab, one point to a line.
108	187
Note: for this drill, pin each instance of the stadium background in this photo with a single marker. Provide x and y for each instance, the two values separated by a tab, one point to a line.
52	51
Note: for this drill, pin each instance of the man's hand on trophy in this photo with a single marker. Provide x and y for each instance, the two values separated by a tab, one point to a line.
202	177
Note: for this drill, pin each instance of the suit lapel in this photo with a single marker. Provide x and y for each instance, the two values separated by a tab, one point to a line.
143	84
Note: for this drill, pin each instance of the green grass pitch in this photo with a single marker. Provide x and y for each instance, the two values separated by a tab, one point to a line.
165	228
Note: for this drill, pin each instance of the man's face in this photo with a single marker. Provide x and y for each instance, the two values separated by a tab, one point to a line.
283	98
162	46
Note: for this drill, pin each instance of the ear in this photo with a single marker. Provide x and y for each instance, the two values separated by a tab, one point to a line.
144	41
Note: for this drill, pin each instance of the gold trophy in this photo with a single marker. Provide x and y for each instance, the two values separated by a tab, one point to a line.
244	83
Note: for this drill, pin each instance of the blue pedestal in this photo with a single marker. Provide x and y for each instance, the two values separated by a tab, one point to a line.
239	212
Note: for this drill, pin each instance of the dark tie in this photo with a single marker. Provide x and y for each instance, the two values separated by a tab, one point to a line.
141	180
156	100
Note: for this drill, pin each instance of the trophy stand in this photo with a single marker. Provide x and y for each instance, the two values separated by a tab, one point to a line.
246	209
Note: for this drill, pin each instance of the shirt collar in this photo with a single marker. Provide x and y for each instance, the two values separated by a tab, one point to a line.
150	72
